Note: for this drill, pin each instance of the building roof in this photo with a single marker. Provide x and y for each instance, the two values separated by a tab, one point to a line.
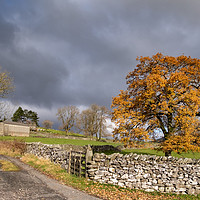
15	123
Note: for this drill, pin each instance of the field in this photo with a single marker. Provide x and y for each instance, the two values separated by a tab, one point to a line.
57	132
58	141
79	142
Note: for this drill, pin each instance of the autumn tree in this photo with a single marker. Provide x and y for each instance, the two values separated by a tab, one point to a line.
92	121
163	95
47	124
67	115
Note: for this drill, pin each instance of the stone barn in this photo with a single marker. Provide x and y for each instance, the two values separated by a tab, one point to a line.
14	129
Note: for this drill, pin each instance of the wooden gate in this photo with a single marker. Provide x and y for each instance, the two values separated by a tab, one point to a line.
77	163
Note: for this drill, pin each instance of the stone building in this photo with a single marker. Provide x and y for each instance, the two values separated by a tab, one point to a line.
14	129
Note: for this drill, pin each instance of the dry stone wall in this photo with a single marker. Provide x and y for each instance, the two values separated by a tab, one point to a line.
149	173
58	154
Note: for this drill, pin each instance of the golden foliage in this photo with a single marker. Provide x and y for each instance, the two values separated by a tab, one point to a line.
163	94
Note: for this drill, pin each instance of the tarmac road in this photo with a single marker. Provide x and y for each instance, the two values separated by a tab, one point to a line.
29	184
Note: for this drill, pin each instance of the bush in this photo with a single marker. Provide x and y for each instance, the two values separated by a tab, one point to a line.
15	147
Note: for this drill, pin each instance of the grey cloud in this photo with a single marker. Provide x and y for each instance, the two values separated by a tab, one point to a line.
7	32
37	77
79	52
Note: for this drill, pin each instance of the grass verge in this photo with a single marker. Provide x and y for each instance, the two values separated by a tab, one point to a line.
8	166
14	148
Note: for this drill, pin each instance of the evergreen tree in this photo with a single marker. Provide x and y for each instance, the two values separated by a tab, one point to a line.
33	117
25	115
18	116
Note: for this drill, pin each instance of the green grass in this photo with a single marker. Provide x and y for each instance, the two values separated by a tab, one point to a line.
195	155
59	132
58	141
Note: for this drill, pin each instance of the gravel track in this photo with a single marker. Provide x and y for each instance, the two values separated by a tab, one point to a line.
29	184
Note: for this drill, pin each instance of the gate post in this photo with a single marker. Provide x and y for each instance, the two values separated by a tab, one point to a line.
88	157
69	164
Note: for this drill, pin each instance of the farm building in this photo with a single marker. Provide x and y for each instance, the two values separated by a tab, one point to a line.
14	129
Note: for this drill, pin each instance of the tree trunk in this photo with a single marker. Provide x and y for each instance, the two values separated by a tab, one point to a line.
96	136
168	153
100	134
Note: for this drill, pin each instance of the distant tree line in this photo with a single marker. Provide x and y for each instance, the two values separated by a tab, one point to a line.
91	122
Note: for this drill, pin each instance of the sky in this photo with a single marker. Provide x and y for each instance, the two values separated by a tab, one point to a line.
78	52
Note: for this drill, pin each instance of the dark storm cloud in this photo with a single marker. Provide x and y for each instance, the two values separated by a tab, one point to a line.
6	32
63	52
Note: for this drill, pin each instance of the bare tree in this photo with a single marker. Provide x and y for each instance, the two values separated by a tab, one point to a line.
103	114
92	121
6	110
6	84
68	116
47	124
84	122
